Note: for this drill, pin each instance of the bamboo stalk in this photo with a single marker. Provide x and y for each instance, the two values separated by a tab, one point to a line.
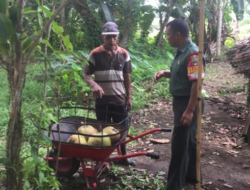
199	109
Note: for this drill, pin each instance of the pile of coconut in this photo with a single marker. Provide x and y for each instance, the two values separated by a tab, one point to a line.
107	137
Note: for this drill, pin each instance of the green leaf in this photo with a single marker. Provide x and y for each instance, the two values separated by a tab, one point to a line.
40	20
67	42
41	177
56	28
3	31
26	185
46	138
4	160
26	43
76	67
46	11
146	21
52	118
7	29
180	10
13	12
38	2
3	49
170	55
48	44
27	10
3	6
108	13
34	154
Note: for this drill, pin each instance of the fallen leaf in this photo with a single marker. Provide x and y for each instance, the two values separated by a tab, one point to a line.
228	186
103	180
212	162
161	173
151	150
139	169
160	141
140	142
208	183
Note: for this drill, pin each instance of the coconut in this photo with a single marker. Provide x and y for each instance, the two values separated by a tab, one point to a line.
110	130
87	130
99	140
77	139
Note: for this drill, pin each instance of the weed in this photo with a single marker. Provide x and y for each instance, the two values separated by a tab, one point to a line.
115	170
223	93
136	181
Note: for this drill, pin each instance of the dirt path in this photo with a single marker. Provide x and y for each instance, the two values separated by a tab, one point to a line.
224	164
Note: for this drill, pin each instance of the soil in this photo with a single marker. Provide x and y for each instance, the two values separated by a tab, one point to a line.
225	159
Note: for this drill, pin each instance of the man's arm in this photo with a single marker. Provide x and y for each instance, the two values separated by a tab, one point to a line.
97	91
187	116
192	72
162	73
127	85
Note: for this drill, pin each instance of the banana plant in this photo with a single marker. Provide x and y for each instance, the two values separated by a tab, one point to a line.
238	8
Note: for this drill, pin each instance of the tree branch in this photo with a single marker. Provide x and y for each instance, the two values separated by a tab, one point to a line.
36	41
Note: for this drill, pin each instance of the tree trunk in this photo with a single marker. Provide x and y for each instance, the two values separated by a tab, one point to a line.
207	49
16	71
127	24
15	126
164	24
63	22
16	77
218	42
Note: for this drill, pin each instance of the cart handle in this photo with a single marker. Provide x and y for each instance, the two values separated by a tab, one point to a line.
131	138
121	157
166	129
153	155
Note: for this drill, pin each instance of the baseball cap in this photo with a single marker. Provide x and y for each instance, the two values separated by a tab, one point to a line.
110	28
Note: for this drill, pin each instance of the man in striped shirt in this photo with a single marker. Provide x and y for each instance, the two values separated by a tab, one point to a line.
111	87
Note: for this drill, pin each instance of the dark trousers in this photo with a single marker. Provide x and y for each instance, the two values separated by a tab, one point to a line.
111	113
183	158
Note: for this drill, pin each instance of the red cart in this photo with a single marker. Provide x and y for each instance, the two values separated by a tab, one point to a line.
72	156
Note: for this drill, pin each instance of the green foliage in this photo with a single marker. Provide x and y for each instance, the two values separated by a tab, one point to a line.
245	22
223	93
4	101
44	181
136	181
229	43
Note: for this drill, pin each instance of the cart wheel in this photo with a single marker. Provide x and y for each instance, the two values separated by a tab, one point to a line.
66	168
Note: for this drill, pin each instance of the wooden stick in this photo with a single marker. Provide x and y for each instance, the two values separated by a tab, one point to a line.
199	109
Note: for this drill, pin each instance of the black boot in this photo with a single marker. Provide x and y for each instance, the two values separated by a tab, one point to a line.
127	161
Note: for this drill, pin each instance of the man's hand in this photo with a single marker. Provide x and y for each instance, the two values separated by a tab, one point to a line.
97	91
129	103
160	74
187	117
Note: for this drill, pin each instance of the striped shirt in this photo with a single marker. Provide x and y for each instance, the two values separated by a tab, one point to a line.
108	73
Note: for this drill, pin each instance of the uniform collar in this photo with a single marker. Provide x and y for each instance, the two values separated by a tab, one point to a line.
185	46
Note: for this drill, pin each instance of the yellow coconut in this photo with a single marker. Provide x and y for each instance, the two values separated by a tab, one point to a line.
110	130
77	139
87	130
99	140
